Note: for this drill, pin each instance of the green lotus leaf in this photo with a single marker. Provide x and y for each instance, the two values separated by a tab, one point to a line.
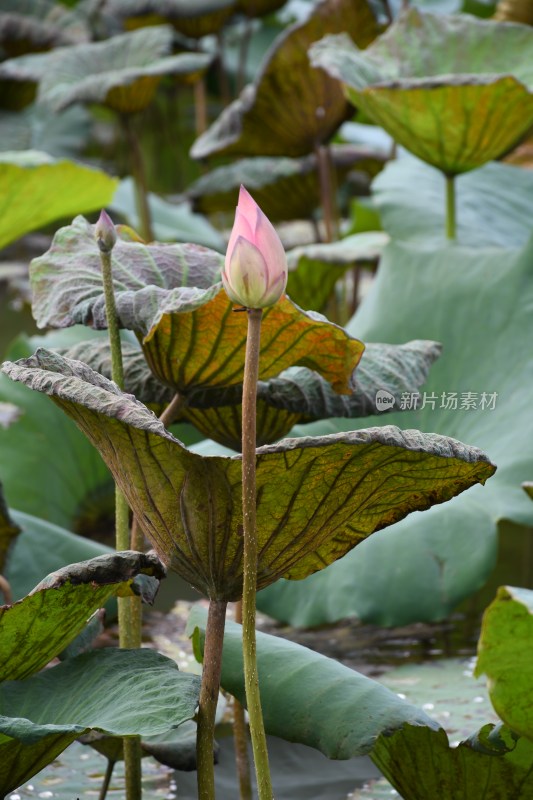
37	628
285	188
308	512
297	395
27	25
67	280
19	78
201	18
262	120
314	269
312	699
504	655
38	128
38	189
356	715
9	530
195	340
115	691
122	73
456	91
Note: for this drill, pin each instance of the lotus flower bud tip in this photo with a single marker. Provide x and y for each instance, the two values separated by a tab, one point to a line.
255	269
105	233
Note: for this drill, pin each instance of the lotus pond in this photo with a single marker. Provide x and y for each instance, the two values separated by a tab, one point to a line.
266	472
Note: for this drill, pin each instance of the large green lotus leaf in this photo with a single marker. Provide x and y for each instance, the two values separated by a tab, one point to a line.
477	303
456	91
67	280
492	204
504	655
27	25
262	121
114	691
196	340
122	72
308	512
296	395
37	628
38	189
70	485
201	18
315	269
309	698
356	715
285	188
9	530
43	548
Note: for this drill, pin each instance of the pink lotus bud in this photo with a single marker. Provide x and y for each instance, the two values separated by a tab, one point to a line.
255	270
105	233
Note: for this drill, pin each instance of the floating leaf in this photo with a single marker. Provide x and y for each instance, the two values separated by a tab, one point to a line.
122	72
262	120
285	188
504	655
201	18
37	628
115	691
67	280
308	513
38	189
454	90
314	269
9	530
353	709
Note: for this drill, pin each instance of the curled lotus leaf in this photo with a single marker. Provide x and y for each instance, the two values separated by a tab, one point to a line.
317	497
67	280
122	73
262	120
295	396
285	188
454	90
195	20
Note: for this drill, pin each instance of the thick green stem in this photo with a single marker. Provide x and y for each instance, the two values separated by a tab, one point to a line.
240	737
249	589
450	207
207	704
139	177
129	608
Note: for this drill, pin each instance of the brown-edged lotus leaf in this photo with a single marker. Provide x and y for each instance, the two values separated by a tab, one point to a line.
121	73
292	107
37	628
8	531
67	280
298	395
285	188
454	90
28	26
193	19
317	497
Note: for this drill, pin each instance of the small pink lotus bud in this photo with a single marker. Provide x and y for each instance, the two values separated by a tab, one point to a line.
105	233
255	270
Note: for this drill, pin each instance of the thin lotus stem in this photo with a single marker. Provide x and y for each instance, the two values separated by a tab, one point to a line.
240	737
207	704
129	608
139	177
5	588
107	779
327	192
251	680
200	106
167	417
243	55
450	207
